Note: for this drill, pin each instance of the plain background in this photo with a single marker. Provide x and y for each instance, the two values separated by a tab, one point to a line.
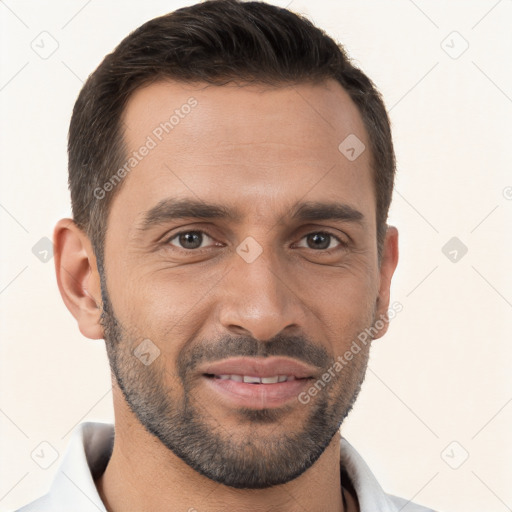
439	385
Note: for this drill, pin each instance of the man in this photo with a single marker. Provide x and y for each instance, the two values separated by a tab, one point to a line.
230	175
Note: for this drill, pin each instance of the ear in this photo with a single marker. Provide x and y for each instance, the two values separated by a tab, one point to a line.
388	265
77	277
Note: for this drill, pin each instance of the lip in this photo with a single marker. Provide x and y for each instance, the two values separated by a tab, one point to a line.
257	396
260	367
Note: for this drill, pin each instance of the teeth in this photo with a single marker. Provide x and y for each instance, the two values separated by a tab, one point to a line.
252	380
249	379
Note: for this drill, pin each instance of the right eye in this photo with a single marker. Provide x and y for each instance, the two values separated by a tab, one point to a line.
189	240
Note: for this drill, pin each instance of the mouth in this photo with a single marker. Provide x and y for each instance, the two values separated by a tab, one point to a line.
257	383
253	379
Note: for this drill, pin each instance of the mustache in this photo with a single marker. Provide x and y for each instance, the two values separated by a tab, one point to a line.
296	347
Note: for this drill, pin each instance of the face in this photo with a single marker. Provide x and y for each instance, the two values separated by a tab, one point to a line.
240	264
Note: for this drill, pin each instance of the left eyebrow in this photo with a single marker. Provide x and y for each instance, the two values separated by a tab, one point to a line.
311	211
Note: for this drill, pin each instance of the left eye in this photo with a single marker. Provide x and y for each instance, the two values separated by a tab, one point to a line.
190	239
321	241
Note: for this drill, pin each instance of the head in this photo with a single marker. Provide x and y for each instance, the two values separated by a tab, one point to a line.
231	173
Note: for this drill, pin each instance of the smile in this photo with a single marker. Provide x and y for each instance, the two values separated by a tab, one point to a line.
256	382
250	379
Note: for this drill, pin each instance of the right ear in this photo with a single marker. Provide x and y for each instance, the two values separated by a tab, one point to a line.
78	277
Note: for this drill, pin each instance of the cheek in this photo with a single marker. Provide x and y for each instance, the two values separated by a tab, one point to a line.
349	285
345	306
168	306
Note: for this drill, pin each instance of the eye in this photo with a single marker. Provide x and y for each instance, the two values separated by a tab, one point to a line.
189	239
322	241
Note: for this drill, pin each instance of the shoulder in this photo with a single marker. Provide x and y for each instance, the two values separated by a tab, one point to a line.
407	506
85	458
369	493
42	504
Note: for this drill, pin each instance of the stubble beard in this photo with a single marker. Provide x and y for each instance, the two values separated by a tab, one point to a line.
246	459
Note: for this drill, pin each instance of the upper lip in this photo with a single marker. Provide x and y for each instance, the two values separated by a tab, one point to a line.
260	367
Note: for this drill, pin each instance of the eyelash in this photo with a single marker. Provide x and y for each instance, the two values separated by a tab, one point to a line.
342	244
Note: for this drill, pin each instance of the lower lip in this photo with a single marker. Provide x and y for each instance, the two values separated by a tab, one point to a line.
257	396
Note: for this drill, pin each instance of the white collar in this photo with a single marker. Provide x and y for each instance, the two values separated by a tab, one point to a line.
91	447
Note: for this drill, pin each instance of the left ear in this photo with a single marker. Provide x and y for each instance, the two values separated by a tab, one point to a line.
388	265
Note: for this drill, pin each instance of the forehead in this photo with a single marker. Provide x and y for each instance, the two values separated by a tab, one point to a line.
250	147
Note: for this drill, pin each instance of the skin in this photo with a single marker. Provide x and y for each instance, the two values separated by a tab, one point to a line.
259	150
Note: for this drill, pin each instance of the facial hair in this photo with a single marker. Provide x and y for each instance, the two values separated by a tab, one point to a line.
162	396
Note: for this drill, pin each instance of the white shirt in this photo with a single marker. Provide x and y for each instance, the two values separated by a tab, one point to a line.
73	489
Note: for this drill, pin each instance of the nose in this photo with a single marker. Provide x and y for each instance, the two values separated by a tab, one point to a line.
259	299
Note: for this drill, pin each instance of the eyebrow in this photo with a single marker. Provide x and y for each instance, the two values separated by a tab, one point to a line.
175	209
326	211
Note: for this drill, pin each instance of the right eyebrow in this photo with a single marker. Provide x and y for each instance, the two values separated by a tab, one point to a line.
172	209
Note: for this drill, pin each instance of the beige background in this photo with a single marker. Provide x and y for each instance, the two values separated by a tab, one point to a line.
441	374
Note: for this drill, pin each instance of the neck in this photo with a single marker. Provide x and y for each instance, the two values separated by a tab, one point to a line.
143	474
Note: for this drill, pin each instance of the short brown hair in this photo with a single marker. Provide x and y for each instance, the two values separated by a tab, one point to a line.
217	42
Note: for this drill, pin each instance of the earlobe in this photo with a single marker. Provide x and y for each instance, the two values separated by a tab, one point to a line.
77	277
388	265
